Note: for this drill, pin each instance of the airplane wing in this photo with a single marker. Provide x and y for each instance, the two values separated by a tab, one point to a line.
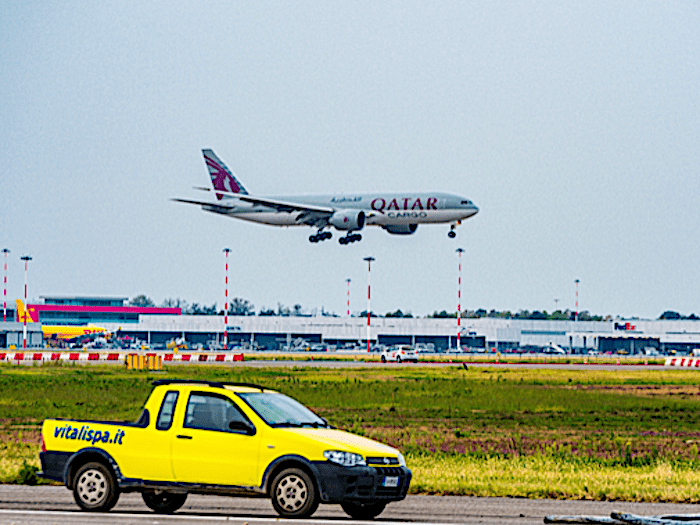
312	215
308	214
287	206
217	208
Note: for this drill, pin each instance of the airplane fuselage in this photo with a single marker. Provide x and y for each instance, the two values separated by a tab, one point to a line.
380	208
68	333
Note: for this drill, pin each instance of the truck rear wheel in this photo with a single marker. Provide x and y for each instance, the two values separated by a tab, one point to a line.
95	488
162	502
294	494
363	511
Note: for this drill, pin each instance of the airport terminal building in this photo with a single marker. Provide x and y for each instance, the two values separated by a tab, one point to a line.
157	326
485	334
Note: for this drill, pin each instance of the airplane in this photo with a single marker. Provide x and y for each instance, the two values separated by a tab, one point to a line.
66	334
397	213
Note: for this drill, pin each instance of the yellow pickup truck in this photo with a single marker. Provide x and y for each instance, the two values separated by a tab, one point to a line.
228	439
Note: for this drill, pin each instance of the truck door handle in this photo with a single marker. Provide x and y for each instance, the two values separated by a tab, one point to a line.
180	436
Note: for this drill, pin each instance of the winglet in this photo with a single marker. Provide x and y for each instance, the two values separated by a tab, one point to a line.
22	312
222	178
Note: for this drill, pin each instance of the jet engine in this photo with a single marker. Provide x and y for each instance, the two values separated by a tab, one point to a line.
350	220
401	229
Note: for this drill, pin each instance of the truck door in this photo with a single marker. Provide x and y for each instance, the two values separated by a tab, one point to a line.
207	450
145	453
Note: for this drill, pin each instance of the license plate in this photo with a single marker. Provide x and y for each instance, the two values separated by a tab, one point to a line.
390	481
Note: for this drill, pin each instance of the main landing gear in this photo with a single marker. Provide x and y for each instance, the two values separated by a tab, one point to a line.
354	237
320	236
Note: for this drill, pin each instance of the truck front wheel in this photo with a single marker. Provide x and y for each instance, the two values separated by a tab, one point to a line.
95	488
162	502
294	494
363	511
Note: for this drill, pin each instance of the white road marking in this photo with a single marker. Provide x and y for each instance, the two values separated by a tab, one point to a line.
162	517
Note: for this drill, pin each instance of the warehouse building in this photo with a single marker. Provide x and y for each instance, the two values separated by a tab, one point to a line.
12	335
485	334
157	326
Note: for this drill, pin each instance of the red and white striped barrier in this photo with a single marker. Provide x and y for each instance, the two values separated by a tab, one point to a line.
199	358
50	356
16	357
688	362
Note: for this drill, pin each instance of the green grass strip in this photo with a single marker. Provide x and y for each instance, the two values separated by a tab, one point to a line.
546	477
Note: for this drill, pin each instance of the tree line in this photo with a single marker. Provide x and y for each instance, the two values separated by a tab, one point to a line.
558	315
243	307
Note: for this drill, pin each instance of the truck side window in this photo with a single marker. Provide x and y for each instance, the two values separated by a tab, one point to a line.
165	416
211	412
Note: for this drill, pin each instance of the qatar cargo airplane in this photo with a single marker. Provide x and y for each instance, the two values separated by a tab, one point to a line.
397	213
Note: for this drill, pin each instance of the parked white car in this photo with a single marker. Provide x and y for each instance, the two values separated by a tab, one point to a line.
399	353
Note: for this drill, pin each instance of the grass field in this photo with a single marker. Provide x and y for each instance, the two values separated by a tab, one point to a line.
619	434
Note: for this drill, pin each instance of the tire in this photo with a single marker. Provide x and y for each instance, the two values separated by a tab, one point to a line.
383	359
398	358
95	488
162	502
363	511
294	494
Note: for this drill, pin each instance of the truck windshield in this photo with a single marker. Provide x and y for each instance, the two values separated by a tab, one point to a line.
279	410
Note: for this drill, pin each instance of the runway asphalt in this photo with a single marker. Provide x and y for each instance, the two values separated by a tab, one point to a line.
55	505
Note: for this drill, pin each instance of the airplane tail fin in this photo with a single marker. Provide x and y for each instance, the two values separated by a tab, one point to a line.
22	312
222	178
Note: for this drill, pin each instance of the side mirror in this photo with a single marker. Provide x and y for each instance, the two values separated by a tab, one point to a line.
242	426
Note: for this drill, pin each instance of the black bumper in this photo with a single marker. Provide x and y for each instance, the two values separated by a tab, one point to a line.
53	465
362	484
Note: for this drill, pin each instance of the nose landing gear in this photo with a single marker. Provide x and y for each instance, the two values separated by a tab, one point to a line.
320	236
452	233
354	237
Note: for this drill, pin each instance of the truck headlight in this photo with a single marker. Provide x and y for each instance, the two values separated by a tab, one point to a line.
346	459
402	460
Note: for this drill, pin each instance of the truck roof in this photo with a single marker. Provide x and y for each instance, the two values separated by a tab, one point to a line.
236	387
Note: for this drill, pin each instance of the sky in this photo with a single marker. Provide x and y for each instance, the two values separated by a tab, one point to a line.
574	126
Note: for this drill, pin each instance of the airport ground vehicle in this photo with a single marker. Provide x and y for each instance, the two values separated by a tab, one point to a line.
551	348
399	353
225	439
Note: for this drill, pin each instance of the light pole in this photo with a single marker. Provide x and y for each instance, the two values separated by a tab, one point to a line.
460	251
226	251
369	271
348	281
26	259
4	295
576	311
